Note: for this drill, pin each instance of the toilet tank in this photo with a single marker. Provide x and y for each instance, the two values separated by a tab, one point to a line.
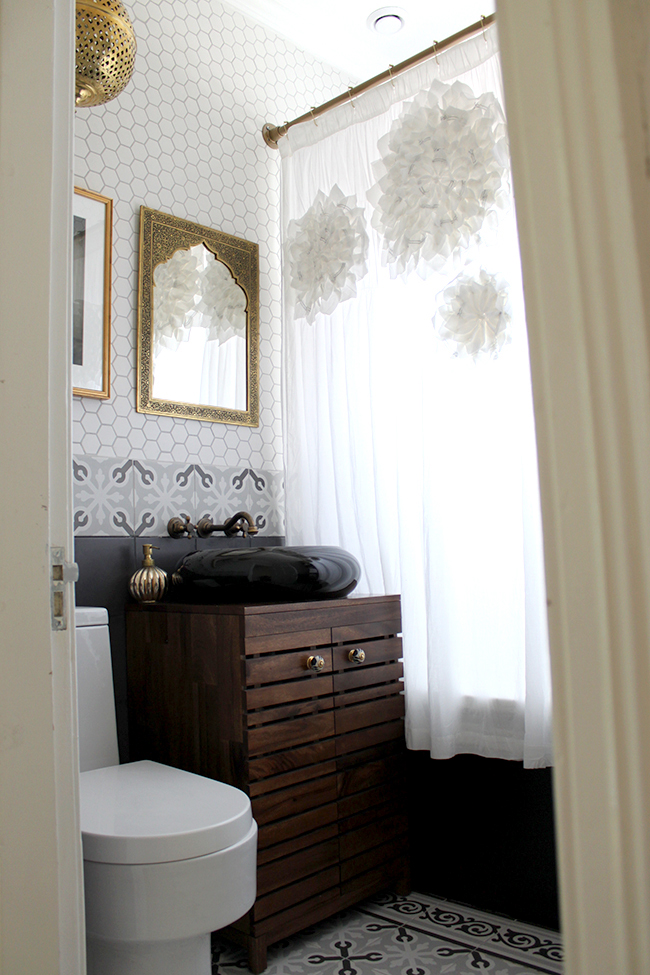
95	695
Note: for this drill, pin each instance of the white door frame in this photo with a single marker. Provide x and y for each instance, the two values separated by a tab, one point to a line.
569	120
41	902
575	115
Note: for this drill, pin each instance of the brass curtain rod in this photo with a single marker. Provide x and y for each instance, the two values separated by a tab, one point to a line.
273	133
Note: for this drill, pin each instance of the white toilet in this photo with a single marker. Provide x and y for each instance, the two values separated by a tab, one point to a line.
168	856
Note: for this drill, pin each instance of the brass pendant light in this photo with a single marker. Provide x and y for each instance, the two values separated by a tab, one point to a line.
105	51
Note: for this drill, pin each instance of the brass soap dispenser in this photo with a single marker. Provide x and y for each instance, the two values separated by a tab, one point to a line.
149	583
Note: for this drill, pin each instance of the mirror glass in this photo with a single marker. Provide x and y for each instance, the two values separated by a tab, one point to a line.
197	328
199	331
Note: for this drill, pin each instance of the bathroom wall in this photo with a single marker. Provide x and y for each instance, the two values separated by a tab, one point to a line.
184	137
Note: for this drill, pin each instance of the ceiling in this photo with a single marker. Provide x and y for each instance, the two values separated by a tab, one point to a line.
336	31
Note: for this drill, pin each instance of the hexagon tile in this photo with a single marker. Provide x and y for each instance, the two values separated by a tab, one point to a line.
184	137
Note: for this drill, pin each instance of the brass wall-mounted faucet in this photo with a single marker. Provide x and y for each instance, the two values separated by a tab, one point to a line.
240	522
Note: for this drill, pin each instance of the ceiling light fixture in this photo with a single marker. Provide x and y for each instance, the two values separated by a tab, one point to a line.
386	20
105	51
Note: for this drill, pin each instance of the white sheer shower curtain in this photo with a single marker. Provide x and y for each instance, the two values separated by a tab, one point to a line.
421	463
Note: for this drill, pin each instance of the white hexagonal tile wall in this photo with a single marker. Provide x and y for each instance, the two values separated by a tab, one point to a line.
184	137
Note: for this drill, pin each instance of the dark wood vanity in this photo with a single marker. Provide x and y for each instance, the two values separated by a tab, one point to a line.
228	691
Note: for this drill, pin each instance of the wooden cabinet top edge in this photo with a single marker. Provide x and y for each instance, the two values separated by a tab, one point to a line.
254	609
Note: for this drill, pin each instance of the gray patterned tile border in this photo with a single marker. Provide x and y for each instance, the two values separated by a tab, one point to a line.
138	497
103	496
216	495
414	935
160	492
219	493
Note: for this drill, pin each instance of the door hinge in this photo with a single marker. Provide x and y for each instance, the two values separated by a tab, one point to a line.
61	573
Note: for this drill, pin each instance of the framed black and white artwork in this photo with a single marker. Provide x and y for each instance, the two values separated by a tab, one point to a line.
91	293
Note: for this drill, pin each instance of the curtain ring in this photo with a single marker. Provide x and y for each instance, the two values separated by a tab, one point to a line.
313	116
350	90
483	28
390	72
435	52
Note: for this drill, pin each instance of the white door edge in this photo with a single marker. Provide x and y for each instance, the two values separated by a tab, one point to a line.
41	889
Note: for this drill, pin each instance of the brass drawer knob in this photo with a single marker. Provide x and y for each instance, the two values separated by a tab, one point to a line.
357	656
315	662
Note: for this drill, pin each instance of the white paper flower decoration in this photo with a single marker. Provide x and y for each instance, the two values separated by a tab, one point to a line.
326	251
223	302
193	289
176	282
474	315
444	165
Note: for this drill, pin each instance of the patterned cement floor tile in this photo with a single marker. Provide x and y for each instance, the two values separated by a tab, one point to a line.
414	935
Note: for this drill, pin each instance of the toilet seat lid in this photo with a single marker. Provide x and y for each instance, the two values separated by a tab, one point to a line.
144	812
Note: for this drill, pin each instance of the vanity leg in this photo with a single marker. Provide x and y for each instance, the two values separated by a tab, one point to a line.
257	955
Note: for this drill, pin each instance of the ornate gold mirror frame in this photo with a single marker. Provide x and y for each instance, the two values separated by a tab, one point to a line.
162	237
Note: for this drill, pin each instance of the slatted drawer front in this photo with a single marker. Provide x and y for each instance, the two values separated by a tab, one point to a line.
277	681
309	910
378	621
296	893
372	651
358	678
379	711
290	734
273	695
287	666
368	774
285	829
385	732
365	672
280	850
292	777
361	808
363	818
284	762
287	712
288	802
294	867
280	641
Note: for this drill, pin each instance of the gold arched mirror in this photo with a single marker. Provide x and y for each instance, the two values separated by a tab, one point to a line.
198	322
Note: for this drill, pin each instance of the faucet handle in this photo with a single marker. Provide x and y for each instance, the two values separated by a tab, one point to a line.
205	527
177	527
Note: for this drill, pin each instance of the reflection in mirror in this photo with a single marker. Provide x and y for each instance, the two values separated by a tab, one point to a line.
199	331
198	322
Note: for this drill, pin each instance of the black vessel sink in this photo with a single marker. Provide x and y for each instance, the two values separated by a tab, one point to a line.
261	574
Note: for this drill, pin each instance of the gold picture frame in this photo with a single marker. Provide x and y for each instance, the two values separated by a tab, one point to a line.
163	240
92	263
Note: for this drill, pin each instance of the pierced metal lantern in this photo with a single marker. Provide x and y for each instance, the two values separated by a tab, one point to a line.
105	51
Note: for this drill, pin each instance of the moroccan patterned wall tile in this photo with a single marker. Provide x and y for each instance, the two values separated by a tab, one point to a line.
103	496
222	492
264	498
138	497
161	491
